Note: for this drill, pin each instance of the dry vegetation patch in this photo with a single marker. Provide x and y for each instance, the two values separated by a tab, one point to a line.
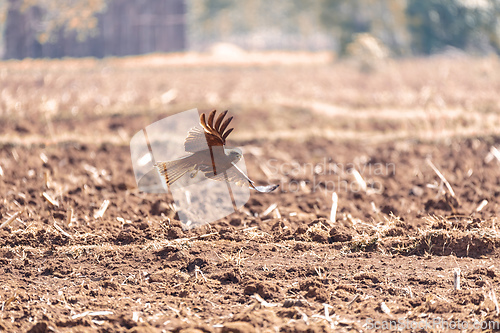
410	151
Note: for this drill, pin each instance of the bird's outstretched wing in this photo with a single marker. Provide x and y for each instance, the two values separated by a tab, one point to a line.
196	140
210	134
237	176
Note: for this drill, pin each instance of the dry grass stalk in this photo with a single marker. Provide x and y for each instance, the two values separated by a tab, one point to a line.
266	170
319	272
327	311
481	205
58	228
44	157
7	302
385	309
359	179
492	295
277	213
269	209
326	315
198	270
456	278
102	210
410	292
263	302
352	302
17	219
69	217
123	221
10	219
248	229
157	245
15	155
91	314
46	179
333	211
50	199
204	235
495	153
303	315
443	179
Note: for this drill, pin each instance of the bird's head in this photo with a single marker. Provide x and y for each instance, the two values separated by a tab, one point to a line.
234	154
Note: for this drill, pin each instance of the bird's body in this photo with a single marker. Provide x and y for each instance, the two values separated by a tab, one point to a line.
211	162
209	155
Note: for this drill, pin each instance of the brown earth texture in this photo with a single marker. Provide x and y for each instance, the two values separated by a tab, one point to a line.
406	150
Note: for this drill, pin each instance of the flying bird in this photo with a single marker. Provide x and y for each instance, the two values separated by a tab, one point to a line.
209	155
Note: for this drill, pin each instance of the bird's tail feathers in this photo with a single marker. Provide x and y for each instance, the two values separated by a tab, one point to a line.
173	170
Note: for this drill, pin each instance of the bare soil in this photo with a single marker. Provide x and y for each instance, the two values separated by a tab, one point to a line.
279	264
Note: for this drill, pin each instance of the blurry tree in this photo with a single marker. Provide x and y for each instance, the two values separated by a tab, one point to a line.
99	28
255	24
133	26
70	15
464	24
344	19
367	52
404	26
384	19
207	16
4	8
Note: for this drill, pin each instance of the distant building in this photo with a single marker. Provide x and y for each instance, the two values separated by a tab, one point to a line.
125	27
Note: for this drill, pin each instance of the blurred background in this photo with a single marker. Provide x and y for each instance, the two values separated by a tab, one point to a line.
101	28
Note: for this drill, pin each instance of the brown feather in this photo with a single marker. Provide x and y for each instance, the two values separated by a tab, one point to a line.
227	133
210	121
203	123
219	120
224	125
212	135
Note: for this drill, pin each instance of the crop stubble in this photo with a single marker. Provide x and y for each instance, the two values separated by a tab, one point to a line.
87	251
